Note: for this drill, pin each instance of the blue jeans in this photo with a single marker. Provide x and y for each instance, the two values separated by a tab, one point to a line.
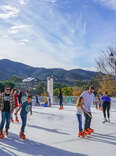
24	121
61	102
79	117
5	116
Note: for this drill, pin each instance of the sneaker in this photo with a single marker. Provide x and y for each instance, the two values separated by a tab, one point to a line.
61	108
22	135
11	119
1	135
6	132
105	120
91	130
87	132
81	134
109	120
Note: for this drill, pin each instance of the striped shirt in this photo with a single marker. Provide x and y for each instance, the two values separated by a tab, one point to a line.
89	99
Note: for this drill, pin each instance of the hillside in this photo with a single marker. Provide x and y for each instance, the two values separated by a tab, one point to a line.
9	68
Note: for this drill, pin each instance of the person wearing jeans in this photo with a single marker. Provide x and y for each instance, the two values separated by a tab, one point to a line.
79	117
80	109
24	121
5	117
6	107
26	107
89	99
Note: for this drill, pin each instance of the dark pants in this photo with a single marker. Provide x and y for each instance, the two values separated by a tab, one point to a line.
24	121
79	117
106	107
5	116
87	121
61	102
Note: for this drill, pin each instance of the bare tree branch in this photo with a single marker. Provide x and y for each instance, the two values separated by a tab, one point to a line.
104	64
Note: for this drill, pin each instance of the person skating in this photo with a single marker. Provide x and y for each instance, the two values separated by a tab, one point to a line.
6	108
89	99
37	100
80	109
26	107
61	100
16	106
106	106
20	97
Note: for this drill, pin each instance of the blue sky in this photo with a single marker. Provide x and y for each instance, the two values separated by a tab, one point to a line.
57	33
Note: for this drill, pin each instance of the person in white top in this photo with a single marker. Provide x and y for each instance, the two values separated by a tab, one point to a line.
80	109
89	99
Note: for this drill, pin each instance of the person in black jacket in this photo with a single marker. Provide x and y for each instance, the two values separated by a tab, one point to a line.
61	99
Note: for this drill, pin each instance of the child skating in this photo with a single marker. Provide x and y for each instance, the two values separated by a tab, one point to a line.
26	107
80	109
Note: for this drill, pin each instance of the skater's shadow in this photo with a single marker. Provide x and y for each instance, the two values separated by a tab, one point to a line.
49	130
50	116
104	138
14	146
113	123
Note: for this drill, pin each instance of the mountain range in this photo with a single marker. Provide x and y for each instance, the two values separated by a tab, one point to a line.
9	68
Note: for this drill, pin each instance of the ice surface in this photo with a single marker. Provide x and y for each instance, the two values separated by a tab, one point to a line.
51	132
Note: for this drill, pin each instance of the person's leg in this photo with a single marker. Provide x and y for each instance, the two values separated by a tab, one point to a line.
11	117
108	111
3	116
104	110
8	115
16	111
89	120
86	121
60	102
79	117
24	120
16	116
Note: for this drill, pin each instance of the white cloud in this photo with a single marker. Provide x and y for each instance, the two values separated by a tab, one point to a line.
19	28
109	3
52	1
8	11
91	69
42	36
22	2
29	55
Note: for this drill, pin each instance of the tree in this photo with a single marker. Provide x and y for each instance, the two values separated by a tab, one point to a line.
105	63
67	91
76	91
1	87
41	88
8	83
56	91
15	79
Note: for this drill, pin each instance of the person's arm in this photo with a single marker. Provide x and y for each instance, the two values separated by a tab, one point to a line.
102	100
31	111
85	111
0	102
96	101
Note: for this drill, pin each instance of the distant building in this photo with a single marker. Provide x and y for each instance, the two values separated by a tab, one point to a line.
30	82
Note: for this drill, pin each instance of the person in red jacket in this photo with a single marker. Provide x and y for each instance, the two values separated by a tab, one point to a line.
15	94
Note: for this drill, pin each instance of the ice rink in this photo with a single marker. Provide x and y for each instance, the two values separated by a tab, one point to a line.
51	132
